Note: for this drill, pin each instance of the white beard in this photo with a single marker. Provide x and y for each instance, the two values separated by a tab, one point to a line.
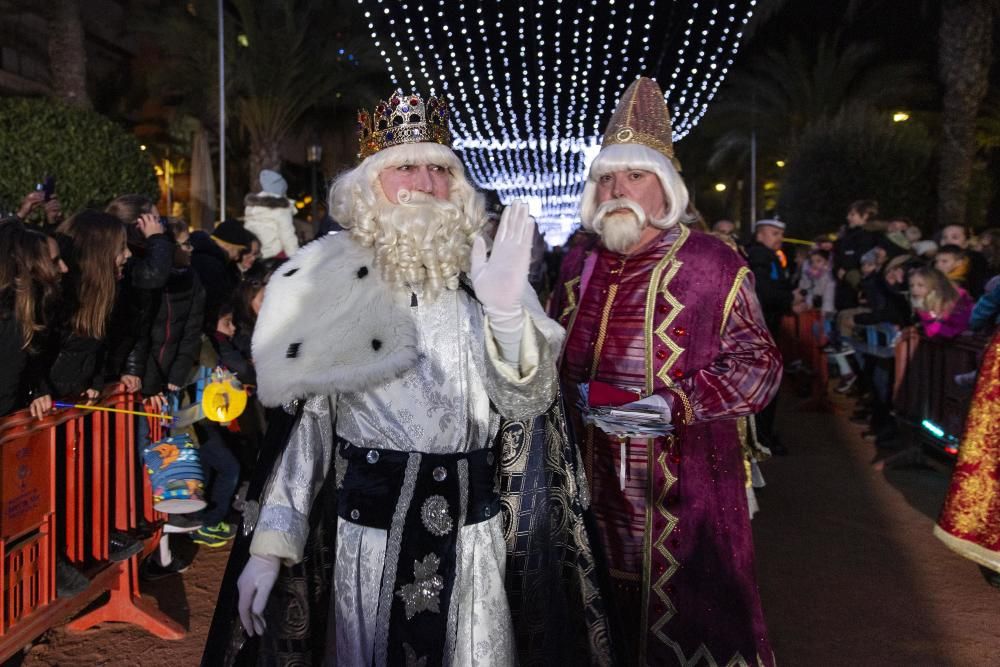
419	242
619	230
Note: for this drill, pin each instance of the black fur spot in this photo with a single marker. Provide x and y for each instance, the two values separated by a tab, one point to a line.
376	344
362	272
293	350
291	272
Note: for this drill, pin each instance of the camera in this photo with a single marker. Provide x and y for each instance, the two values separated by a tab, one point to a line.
48	186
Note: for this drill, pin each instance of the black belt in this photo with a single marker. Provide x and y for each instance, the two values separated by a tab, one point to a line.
374	477
420	500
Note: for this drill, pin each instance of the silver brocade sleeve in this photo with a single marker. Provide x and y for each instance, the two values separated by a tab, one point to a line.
284	516
527	391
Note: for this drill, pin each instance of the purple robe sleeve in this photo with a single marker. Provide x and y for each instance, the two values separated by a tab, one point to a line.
742	379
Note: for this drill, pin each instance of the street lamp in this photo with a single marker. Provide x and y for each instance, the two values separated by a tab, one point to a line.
720	187
900	117
314	154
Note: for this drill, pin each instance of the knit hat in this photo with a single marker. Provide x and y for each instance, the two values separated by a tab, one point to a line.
870	257
923	248
272	183
897	261
232	232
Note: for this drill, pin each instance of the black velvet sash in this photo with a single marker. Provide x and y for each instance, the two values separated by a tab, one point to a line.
421	500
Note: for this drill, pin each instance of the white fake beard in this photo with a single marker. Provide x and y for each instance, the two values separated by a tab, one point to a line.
619	230
420	242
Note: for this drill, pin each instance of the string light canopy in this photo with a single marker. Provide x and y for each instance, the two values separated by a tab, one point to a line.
531	84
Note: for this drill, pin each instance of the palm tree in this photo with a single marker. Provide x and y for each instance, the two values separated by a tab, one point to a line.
67	55
783	90
285	58
966	41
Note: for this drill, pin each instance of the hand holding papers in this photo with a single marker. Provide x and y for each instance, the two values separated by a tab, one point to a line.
636	419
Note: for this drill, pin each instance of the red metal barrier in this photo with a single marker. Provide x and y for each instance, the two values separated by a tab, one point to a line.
802	338
93	455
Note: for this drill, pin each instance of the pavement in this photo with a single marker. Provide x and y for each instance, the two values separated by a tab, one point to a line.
849	570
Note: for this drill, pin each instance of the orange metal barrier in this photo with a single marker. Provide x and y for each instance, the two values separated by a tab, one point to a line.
802	338
67	481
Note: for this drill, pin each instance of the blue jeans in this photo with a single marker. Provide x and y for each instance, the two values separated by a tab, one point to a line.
222	471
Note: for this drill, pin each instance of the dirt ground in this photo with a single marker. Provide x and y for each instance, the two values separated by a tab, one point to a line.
849	571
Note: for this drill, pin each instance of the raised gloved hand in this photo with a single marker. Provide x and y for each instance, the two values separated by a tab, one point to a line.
254	586
501	280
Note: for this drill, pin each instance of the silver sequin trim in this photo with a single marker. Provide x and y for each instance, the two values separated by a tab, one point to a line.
284	520
251	513
463	503
424	594
393	544
436	517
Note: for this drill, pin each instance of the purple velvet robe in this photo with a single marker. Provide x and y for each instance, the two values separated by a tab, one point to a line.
679	318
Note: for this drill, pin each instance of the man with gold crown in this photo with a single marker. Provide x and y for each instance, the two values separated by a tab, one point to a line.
664	319
421	371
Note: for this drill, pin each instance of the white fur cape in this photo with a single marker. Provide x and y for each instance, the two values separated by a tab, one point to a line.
329	323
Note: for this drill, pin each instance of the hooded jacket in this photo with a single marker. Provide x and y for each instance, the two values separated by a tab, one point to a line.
175	337
269	218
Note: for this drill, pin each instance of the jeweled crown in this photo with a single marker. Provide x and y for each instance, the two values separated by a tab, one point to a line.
403	119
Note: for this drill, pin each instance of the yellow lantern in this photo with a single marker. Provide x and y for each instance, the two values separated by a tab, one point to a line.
224	398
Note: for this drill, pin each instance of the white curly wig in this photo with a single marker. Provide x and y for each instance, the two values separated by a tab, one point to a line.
626	157
420	240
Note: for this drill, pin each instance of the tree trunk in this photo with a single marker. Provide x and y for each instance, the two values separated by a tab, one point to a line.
67	55
264	154
965	51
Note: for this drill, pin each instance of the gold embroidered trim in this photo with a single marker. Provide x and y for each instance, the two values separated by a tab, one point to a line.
688	410
570	287
602	330
660	545
625	576
668	265
731	297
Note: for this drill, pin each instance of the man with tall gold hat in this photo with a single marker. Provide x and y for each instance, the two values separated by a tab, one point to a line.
416	365
664	318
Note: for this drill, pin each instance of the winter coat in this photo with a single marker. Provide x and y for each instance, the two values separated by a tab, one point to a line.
234	355
986	313
15	362
219	276
175	337
886	305
138	301
772	283
818	289
848	249
951	323
269	218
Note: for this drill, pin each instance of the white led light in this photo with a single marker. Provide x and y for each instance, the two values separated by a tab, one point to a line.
531	84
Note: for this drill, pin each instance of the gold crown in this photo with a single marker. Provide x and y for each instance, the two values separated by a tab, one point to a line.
403	119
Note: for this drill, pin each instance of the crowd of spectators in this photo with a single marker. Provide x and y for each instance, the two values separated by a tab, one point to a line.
882	273
126	299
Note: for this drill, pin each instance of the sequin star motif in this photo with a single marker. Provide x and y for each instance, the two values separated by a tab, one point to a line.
422	594
411	657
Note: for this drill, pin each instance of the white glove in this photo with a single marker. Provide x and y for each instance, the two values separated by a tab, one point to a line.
254	585
501	280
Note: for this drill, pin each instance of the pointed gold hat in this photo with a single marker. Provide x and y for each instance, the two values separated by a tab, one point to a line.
642	117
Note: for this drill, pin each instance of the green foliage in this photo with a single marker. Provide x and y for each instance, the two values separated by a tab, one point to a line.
92	159
857	155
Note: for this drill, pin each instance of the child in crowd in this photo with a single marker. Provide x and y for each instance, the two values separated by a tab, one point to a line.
817	285
943	308
953	262
217	460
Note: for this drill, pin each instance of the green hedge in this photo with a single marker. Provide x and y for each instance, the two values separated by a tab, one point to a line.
857	155
92	159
